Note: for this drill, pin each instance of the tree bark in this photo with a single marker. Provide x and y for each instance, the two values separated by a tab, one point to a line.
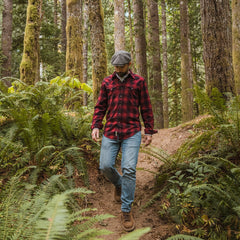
131	35
236	43
217	45
99	56
63	26
74	59
7	39
119	25
165	65
154	51
140	39
55	12
29	67
85	48
186	81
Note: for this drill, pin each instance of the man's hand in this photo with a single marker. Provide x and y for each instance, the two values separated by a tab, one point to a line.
95	134
147	139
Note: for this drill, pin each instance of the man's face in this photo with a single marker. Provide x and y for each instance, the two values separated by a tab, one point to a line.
122	70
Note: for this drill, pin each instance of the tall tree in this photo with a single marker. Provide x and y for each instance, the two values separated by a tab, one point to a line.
55	12
186	81
154	52
119	25
29	67
99	56
236	42
140	39
217	45
131	35
7	38
63	25
165	65
74	59
85	48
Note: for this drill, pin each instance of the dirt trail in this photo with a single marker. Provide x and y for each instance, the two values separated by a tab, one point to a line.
167	139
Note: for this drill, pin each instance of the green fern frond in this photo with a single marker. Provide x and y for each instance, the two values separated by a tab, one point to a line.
159	154
183	237
214	189
135	235
44	151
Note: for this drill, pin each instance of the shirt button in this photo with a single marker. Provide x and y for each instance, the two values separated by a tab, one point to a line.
120	95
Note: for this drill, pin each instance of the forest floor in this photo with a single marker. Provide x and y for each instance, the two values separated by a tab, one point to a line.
168	140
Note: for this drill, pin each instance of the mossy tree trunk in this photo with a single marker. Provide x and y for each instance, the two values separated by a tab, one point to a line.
155	61
140	39
29	67
74	57
7	39
119	25
165	65
217	45
186	81
99	57
236	43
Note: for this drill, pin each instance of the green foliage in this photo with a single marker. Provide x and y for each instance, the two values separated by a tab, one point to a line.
38	129
45	211
183	237
202	186
135	234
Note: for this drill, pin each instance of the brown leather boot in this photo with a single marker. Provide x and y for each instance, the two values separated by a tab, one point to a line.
128	222
117	194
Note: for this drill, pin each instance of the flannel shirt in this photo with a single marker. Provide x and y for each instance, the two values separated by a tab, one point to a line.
121	102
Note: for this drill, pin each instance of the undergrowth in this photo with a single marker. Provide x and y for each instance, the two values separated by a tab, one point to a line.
199	185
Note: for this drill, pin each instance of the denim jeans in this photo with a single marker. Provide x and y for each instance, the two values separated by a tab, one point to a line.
127	181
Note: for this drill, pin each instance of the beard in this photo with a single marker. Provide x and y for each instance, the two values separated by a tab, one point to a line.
122	74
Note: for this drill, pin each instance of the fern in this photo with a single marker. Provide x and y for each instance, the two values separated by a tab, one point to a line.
159	154
135	234
45	212
183	237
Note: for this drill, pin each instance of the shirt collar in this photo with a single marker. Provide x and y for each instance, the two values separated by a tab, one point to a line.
129	74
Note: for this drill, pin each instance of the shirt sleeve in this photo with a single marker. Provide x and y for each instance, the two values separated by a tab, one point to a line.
146	110
100	108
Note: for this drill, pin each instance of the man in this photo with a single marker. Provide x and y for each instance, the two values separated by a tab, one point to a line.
121	96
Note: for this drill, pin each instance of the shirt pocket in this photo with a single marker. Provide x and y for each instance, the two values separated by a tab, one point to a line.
133	95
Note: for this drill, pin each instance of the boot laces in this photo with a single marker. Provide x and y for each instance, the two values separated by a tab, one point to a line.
126	217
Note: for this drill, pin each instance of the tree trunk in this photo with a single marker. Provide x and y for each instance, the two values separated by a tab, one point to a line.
64	24
85	49
29	67
140	39
131	35
186	81
7	39
154	52
165	65
236	43
74	59
217	45
55	12
99	56
119	25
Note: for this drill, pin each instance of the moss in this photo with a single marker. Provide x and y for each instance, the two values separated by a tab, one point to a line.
29	67
74	59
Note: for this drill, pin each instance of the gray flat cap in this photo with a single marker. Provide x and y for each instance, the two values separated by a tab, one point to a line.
121	58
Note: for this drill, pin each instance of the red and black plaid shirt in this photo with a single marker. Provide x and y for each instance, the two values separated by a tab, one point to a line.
122	101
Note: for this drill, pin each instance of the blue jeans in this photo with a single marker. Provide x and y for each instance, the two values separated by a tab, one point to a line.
127	181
